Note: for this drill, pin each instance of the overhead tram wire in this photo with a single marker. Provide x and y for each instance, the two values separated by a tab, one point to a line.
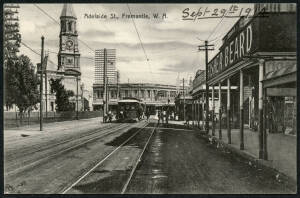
43	11
137	33
147	59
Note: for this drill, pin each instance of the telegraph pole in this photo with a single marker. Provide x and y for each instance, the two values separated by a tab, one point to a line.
183	101
118	89
205	48
77	97
46	95
41	86
107	93
104	84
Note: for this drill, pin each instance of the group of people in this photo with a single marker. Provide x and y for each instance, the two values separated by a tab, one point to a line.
163	115
108	117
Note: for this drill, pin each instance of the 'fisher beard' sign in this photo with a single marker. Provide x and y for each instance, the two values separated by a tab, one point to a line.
233	50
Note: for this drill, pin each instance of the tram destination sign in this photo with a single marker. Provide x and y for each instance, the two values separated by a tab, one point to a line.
239	42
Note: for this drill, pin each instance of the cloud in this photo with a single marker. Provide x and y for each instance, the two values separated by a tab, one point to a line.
170	44
97	33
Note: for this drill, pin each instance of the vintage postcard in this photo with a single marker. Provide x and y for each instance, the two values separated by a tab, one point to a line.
151	98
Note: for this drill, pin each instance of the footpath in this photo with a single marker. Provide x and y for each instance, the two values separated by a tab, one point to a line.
282	149
52	128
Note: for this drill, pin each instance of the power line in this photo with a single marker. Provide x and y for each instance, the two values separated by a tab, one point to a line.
218	24
46	14
200	39
91	58
137	33
147	59
59	24
27	46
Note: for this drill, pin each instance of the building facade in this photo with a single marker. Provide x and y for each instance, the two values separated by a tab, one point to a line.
68	67
68	54
154	95
111	70
258	57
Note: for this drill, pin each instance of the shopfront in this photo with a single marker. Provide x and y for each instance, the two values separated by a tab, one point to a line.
255	52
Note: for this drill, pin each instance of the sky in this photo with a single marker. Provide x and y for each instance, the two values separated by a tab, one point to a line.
170	44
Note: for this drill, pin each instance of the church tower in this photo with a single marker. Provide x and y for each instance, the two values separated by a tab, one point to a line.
68	55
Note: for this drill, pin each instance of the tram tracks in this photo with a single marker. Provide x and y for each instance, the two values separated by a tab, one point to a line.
12	154
124	189
86	174
76	143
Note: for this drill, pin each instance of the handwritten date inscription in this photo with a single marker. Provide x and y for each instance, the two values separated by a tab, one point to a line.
206	12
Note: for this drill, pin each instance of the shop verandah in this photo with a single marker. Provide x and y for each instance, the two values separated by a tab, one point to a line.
260	116
276	141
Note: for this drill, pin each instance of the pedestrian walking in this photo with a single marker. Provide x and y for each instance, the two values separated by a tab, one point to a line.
167	116
110	116
163	115
159	117
148	115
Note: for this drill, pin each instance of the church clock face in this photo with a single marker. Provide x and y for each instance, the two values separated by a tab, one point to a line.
69	44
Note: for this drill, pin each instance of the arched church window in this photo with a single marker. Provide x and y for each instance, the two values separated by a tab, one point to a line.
63	26
70	26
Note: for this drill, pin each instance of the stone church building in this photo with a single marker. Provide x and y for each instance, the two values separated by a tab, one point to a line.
68	67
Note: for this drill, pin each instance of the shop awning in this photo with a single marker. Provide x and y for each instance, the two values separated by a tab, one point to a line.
281	77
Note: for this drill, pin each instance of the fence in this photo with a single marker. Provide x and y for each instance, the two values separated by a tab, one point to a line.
13	119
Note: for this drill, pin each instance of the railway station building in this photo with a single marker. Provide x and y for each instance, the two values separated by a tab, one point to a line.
253	76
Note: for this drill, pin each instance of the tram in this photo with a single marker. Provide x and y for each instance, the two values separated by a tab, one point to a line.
130	110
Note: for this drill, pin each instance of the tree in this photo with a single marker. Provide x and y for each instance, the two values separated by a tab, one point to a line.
11	44
12	37
62	95
21	84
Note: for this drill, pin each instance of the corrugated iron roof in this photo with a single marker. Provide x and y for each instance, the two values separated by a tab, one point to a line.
281	72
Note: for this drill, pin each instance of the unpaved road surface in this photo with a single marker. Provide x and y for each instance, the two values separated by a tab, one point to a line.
49	164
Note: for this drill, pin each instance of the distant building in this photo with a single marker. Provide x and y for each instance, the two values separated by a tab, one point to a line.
87	99
154	95
111	66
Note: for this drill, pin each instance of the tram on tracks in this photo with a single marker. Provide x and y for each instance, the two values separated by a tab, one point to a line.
130	110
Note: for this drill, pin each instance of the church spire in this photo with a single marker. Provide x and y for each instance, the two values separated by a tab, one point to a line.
68	11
